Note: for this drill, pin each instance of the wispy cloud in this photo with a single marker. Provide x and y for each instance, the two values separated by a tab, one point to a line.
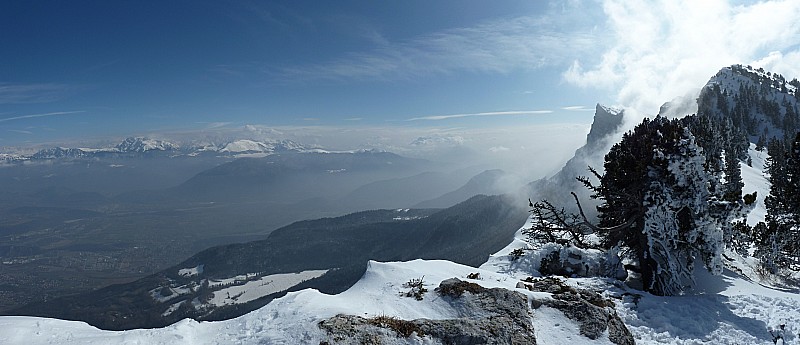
662	49
214	125
578	108
20	131
354	119
32	93
501	46
58	113
492	113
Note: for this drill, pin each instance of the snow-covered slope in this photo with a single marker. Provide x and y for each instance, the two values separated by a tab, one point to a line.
727	309
252	147
140	145
755	180
761	103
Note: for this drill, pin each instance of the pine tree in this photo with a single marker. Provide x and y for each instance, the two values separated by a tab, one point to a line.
792	205
762	142
733	177
657	201
776	239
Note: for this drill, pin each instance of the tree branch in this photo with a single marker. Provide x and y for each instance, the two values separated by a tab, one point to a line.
595	228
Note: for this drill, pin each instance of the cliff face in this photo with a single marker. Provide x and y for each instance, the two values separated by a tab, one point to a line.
607	121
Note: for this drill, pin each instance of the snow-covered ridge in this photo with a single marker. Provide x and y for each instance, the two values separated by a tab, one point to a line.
730	79
140	146
763	104
246	146
726	309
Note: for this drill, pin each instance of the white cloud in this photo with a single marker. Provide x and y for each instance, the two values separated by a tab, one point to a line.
496	149
662	49
438	140
493	113
578	108
786	64
58	113
500	46
213	125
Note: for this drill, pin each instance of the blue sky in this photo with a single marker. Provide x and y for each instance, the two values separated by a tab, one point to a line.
76	69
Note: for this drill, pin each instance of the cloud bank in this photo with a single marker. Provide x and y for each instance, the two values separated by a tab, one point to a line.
663	49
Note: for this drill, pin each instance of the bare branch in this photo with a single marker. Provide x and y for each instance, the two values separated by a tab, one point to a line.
595	228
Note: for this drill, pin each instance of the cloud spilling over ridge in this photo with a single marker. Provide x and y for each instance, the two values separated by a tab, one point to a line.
664	49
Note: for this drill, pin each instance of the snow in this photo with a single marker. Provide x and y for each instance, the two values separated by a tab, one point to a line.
724	309
266	285
553	328
755	180
172	308
244	145
192	271
736	307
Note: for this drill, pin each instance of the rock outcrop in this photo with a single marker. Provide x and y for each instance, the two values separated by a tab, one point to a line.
591	311
487	316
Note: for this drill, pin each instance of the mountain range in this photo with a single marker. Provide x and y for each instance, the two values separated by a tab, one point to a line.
132	147
290	274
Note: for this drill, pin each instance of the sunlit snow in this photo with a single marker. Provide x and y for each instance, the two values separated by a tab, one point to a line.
726	309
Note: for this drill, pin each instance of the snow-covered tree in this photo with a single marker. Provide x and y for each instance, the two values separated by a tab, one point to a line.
657	203
776	239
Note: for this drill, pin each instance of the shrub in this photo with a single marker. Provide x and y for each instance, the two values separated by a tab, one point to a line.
416	288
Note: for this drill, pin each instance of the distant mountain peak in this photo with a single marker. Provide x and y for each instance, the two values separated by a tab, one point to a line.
141	144
730	78
607	121
762	104
245	146
59	152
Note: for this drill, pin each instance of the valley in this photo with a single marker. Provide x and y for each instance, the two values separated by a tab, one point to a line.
59	237
449	172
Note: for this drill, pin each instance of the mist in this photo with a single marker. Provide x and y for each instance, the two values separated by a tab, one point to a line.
662	49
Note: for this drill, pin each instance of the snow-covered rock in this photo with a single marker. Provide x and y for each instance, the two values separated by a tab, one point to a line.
494	315
140	145
60	152
246	146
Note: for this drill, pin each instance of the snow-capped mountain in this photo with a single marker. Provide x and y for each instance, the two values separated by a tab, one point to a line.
245	146
145	147
60	152
764	104
140	145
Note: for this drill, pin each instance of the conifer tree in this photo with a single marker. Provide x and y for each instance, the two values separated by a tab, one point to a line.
776	239
657	203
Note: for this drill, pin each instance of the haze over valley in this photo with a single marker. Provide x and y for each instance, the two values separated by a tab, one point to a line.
448	172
